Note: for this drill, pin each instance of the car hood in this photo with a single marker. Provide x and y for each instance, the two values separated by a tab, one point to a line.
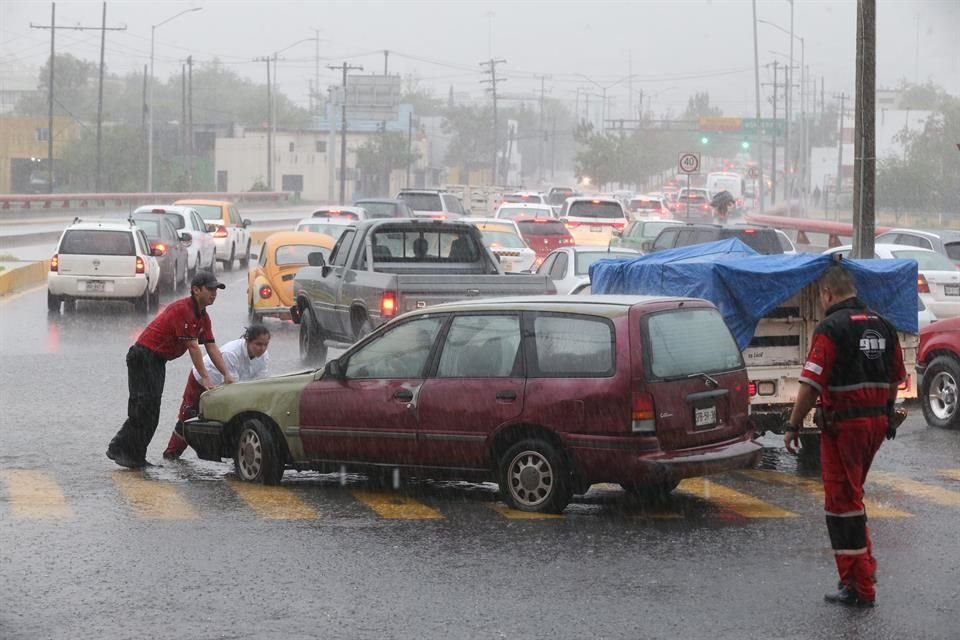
277	397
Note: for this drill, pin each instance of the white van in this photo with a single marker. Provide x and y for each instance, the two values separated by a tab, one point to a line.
726	181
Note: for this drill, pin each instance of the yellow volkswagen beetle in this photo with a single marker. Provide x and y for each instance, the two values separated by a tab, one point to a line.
270	282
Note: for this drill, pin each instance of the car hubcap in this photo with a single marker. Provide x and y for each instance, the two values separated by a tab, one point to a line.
250	454
530	478
943	396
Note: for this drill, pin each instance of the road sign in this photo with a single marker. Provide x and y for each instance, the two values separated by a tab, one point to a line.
720	124
689	162
753	172
768	126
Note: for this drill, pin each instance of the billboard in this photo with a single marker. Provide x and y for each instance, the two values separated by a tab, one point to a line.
372	97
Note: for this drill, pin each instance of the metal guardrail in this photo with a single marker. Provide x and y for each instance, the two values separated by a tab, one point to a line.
71	200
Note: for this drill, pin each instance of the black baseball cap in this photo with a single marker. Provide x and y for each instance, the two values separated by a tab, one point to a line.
206	279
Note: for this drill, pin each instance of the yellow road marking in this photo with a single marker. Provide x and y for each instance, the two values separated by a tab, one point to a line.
273	503
396	507
739	503
937	495
34	496
953	474
514	514
152	499
874	509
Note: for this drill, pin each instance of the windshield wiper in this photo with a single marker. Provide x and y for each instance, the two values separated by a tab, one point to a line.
711	382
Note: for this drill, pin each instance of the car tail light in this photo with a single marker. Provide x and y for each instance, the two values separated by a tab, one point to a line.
572	223
220	232
266	291
388	304
752	389
141	265
159	249
750	231
643	413
619	225
55	263
922	286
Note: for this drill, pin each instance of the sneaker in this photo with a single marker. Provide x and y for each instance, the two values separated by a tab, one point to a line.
848	598
125	460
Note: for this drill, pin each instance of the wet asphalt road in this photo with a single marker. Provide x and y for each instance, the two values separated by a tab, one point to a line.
183	551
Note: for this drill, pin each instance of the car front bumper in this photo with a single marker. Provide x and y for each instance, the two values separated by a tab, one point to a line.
207	437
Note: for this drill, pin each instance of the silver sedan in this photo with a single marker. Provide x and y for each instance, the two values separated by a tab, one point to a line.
569	267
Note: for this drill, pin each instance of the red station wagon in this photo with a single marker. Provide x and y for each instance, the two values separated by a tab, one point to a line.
546	396
543	235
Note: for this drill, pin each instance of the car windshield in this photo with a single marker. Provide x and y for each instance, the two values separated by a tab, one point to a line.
97	242
297	253
690	341
650	230
542	228
595	209
587	258
209	211
926	260
379	209
423	201
502	240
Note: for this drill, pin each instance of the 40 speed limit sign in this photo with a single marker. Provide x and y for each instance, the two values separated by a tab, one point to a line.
689	162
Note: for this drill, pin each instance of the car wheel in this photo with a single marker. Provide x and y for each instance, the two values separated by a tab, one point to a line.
69	305
192	272
142	304
213	263
228	265
252	314
175	282
53	302
313	348
534	477
361	325
939	398
245	260
257	457
155	299
656	492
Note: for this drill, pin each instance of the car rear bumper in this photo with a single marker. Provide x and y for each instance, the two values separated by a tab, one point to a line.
79	286
206	437
627	460
273	311
943	309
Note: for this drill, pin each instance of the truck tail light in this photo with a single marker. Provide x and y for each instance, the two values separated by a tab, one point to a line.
55	263
266	291
752	389
922	286
388	304
220	232
643	414
141	265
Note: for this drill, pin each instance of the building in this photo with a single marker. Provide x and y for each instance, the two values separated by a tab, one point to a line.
23	151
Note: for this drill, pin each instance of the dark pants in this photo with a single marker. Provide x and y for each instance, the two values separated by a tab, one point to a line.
146	372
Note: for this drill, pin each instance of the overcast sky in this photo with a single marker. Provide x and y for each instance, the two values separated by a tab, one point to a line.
674	47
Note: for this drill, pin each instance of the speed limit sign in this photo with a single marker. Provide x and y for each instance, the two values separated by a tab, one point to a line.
689	162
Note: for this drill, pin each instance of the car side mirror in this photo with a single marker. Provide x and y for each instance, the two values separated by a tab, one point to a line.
247	223
316	259
618	234
211	227
335	370
186	239
646	245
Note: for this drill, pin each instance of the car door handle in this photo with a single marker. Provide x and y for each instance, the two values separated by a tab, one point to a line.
404	395
507	395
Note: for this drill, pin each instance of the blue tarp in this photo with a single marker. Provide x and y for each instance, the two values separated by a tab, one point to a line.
745	286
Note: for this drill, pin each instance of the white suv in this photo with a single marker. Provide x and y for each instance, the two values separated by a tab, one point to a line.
432	203
103	260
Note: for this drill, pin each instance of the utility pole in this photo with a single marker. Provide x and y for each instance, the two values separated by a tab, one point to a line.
316	72
190	122
788	113
343	127
553	146
269	128
756	78
865	164
409	146
183	108
103	28
543	132
492	69
773	136
838	184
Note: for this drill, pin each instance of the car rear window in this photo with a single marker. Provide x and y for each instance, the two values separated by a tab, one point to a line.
524	212
502	239
542	228
573	346
515	197
589	209
423	201
435	246
953	250
150	227
587	258
763	241
209	211
379	209
97	242
686	342
332	230
645	205
926	260
336	213
297	253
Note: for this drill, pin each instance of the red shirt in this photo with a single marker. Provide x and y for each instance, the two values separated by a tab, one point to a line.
173	329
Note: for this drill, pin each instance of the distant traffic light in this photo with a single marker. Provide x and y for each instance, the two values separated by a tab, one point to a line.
704	139
745	144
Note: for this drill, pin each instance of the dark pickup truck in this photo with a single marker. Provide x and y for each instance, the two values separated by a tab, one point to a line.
382	268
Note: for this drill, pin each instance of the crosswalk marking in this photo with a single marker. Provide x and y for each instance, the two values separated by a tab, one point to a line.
514	514
874	509
394	506
953	474
732	500
152	499
34	496
273	503
937	495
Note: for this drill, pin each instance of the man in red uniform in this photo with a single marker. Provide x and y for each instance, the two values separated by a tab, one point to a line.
182	326
854	366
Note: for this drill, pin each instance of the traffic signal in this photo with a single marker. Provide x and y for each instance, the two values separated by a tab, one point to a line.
704	139
745	144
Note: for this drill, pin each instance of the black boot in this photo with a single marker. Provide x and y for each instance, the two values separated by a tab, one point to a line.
847	597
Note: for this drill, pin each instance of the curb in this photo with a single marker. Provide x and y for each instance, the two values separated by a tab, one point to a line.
30	274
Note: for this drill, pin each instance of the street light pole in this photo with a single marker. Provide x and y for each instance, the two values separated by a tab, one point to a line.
153	33
756	79
788	178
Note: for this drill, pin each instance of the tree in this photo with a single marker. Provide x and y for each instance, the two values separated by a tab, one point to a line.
75	88
378	157
471	146
698	106
124	161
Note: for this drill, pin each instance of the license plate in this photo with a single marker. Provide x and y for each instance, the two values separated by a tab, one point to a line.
951	289
94	286
706	417
596	227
